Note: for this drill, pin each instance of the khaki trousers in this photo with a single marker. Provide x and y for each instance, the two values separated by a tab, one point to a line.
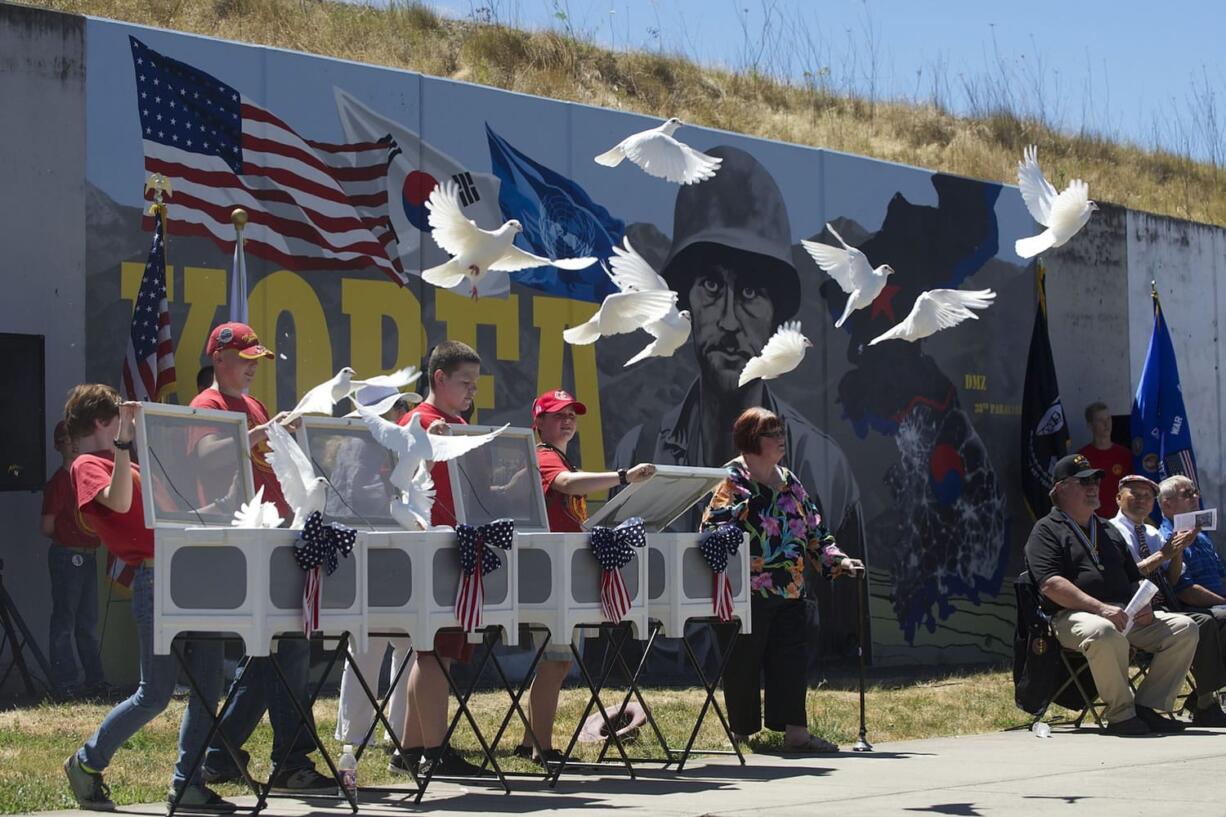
1171	637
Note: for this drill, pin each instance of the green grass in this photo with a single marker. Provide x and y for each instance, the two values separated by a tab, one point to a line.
34	741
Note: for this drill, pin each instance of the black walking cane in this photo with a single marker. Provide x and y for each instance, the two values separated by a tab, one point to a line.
861	744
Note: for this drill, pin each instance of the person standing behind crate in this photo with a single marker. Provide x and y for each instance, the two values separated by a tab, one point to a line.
107	487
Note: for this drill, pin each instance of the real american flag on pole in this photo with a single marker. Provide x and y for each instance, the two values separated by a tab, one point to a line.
312	205
149	363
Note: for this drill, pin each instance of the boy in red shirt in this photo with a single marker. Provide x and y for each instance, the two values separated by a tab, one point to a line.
107	487
1114	460
554	416
73	565
235	352
453	371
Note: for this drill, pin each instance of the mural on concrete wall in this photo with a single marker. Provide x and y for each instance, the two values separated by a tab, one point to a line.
909	447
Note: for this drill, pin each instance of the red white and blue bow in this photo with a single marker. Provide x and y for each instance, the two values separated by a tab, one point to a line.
717	547
614	548
476	560
318	545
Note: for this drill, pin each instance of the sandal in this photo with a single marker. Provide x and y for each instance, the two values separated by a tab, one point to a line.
814	745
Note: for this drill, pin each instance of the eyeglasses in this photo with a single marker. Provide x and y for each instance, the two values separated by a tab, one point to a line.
1189	493
775	434
1086	482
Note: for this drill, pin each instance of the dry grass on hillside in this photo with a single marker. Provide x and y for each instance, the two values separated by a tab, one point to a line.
407	35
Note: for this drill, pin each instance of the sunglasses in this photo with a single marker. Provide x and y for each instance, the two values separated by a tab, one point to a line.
1086	482
775	434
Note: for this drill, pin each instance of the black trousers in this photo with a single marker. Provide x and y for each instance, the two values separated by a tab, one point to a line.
771	659
1209	663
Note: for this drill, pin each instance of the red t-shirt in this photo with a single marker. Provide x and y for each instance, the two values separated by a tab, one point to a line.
566	511
124	534
1116	463
257	415
59	501
443	511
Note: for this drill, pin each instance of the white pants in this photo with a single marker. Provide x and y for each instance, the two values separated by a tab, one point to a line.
355	712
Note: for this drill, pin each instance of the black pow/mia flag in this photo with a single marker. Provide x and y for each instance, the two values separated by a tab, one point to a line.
1044	430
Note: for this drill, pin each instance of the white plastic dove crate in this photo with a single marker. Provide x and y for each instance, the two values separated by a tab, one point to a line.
208	576
679	581
411	577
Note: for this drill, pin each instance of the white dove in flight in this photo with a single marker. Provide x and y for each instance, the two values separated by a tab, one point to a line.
412	508
1063	215
320	399
413	446
661	155
643	301
851	271
257	513
304	492
938	309
476	251
781	354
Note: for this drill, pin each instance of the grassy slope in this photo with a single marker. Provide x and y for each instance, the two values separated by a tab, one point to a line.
408	36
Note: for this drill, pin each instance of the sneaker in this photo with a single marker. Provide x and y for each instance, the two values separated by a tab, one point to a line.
1131	728
450	764
405	764
228	774
1212	715
199	799
1159	723
303	781
92	794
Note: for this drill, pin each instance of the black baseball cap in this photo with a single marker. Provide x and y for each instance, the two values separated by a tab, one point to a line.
1074	466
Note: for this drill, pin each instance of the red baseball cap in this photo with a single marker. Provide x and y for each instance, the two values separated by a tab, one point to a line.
553	401
238	336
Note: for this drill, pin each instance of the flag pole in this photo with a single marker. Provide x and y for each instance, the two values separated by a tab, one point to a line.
238	276
160	185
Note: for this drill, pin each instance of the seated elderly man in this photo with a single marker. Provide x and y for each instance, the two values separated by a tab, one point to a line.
1199	590
1162	562
1086	577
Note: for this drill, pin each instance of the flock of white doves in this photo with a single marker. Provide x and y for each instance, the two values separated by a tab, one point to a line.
643	301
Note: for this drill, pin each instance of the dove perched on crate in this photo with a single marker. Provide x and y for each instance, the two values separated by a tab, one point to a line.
1063	214
257	513
851	271
320	399
781	354
643	301
413	445
658	153
476	251
304	492
938	309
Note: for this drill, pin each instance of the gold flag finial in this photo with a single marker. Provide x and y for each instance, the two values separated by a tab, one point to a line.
160	185
238	217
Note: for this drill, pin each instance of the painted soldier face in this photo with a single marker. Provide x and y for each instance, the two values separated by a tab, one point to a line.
732	320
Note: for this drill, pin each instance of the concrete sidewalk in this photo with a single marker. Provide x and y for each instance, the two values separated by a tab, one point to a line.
996	775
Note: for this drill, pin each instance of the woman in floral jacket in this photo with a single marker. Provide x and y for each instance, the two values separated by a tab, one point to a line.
782	524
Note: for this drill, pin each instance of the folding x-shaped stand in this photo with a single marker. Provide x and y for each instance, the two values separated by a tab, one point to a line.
517	694
613	658
709	700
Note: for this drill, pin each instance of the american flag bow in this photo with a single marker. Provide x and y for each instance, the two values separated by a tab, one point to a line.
474	544
318	546
717	547
613	549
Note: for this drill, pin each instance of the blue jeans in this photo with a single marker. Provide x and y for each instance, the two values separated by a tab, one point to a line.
74	616
256	690
158	674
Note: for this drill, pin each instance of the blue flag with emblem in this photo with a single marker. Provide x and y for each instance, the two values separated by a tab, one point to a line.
560	220
1161	436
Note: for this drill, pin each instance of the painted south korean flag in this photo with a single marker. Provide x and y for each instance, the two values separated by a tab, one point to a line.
415	168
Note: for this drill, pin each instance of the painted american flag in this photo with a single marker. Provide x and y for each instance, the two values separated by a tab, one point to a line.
149	363
311	205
